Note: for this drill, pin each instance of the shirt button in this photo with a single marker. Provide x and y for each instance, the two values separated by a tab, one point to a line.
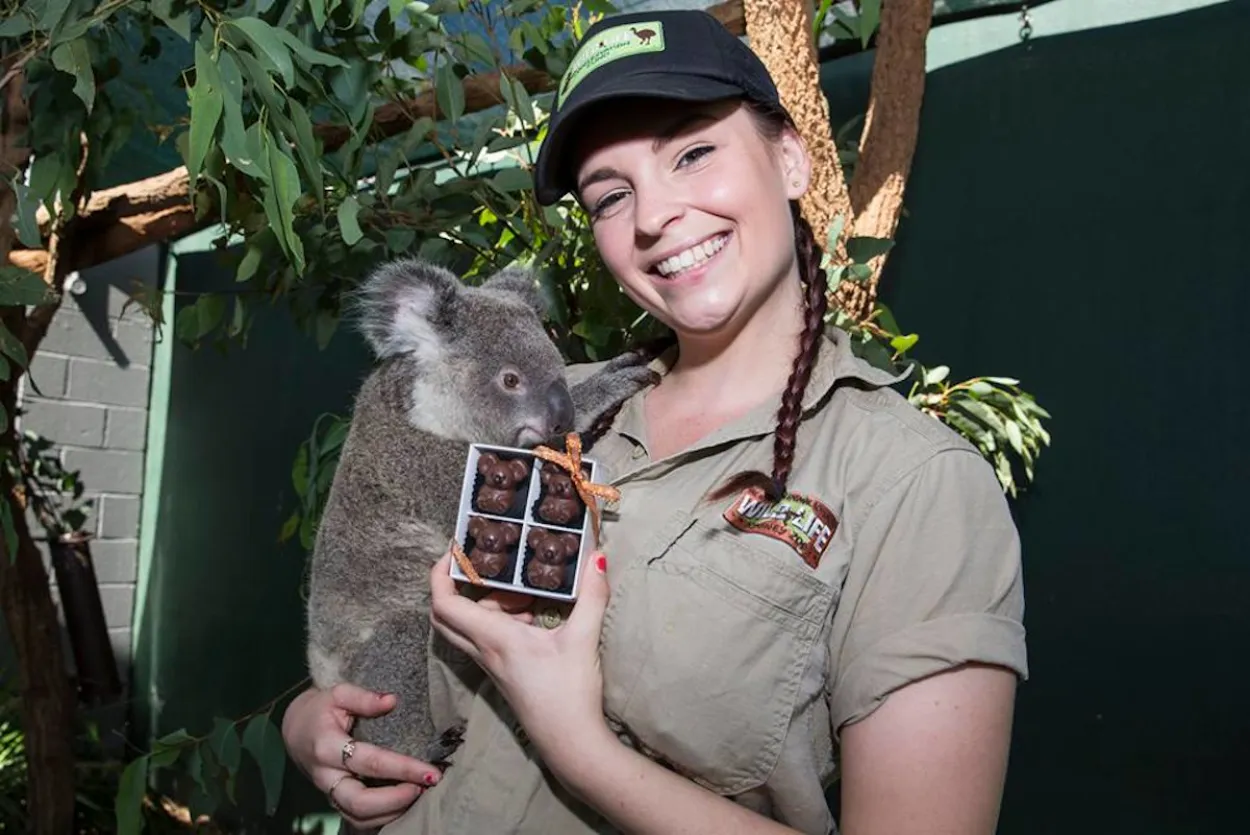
637	453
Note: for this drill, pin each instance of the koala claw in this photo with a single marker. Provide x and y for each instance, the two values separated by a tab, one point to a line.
437	753
620	378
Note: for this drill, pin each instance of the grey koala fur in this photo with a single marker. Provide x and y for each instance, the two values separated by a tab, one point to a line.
444	349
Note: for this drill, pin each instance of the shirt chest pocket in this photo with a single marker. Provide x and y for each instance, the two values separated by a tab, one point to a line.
706	640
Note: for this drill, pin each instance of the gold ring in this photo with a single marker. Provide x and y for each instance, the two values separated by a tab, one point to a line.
330	792
349	748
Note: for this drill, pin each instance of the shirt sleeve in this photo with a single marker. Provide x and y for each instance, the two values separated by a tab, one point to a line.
935	581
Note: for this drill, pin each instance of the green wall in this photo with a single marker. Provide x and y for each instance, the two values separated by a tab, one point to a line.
1076	213
1077	220
219	629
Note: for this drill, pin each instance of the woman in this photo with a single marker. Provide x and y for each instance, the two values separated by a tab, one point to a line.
737	653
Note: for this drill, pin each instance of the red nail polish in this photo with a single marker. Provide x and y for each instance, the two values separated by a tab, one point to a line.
601	563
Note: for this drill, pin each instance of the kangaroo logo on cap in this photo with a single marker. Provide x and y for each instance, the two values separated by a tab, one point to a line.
609	45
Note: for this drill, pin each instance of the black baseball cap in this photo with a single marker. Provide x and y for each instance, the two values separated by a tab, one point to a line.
686	55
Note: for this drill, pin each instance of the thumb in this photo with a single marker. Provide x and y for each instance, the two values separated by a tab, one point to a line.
592	598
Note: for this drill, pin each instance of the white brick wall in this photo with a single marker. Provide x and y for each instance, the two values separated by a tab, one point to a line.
89	395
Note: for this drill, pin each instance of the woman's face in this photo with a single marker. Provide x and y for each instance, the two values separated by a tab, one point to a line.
689	204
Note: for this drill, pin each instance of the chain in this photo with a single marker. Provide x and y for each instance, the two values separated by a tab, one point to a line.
1026	23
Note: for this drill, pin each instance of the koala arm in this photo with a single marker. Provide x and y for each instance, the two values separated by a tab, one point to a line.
607	386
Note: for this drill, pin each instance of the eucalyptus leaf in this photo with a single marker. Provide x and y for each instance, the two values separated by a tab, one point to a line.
20	286
27	224
262	740
74	57
269	46
349	227
449	92
12	347
130	793
178	22
863	249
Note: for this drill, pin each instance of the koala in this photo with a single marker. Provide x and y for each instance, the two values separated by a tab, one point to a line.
491	541
456	364
551	554
500	480
560	503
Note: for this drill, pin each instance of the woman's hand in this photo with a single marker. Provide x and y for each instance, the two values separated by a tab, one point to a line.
550	677
316	727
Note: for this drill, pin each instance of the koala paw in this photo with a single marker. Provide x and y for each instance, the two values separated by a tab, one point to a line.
619	379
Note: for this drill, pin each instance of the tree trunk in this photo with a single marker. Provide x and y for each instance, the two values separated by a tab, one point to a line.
47	700
888	143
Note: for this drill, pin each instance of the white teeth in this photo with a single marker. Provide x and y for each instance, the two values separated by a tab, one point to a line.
697	254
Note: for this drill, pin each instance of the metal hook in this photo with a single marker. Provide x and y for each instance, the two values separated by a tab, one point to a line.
1026	23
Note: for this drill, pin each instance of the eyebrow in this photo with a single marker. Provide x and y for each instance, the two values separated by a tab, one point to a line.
666	135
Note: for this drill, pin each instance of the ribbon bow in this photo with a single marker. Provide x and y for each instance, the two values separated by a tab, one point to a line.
588	490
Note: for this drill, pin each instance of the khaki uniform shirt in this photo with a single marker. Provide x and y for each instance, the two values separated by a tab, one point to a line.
725	655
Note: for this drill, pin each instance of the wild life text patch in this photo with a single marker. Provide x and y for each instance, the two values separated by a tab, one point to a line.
802	522
609	45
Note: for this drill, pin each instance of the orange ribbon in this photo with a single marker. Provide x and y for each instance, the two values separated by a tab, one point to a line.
588	490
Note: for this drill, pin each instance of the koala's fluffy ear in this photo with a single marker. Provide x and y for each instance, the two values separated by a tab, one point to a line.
521	282
400	305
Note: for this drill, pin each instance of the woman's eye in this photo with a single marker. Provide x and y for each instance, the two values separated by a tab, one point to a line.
694	155
606	202
511	380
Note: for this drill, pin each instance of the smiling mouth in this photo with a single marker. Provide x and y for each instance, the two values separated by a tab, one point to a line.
688	259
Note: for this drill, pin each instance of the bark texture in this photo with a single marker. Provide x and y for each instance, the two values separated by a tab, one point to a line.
889	138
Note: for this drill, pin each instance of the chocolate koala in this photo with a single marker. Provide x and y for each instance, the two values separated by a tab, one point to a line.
551	553
500	479
560	503
491	541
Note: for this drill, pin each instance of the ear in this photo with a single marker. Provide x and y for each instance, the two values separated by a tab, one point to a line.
475	526
486	462
570	545
400	306
536	535
511	533
796	164
519	470
522	283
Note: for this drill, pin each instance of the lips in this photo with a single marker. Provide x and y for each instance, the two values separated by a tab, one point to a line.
674	265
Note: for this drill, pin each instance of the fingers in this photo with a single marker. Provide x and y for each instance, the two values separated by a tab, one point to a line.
361	702
367	808
586	619
460	619
513	603
374	761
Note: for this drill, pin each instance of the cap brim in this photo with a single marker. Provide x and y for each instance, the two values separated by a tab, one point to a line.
552	179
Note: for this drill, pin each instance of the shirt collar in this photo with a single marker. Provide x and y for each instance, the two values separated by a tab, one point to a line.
835	363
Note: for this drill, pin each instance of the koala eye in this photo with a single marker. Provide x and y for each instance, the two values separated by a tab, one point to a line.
510	380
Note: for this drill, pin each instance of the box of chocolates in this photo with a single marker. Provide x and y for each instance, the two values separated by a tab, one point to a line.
523	525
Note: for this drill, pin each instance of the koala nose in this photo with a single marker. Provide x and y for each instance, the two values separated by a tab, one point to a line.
560	408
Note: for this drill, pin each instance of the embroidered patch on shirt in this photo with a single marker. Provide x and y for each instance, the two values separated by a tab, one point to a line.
802	522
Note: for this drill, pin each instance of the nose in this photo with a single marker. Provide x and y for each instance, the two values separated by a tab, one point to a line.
559	408
654	209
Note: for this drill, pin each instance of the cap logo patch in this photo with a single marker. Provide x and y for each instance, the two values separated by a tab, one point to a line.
609	45
802	522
